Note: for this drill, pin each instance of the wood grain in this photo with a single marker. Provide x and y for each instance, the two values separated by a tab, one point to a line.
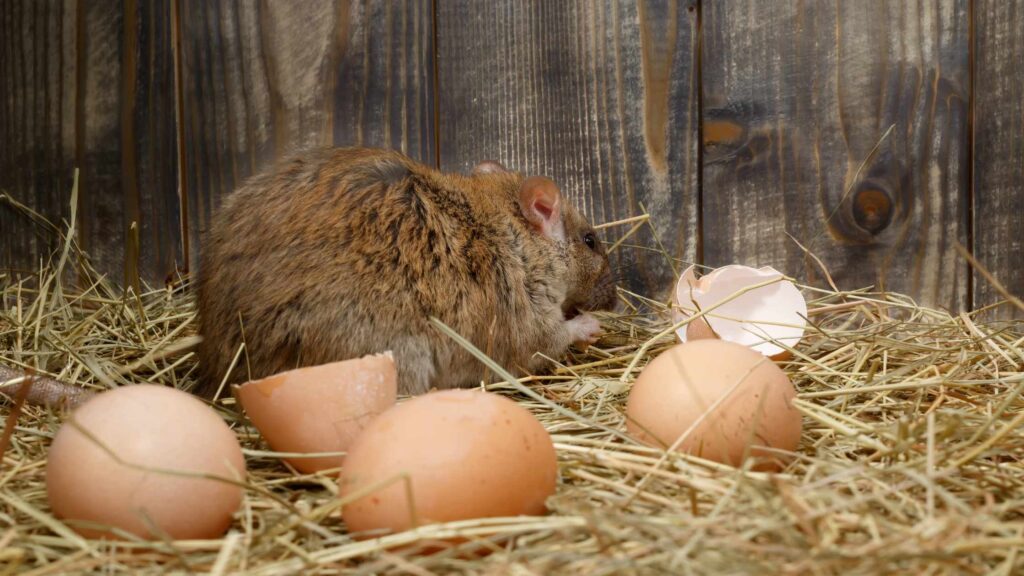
36	135
999	150
89	85
149	136
797	96
798	102
601	96
262	79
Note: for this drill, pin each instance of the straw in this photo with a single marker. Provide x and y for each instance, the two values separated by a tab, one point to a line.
912	457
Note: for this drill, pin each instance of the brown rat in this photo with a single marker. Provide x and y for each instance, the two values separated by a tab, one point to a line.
340	252
337	253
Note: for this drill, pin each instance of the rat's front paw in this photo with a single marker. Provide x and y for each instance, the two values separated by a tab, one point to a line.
584	329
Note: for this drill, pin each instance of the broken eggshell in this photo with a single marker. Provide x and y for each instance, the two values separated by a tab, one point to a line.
762	318
320	408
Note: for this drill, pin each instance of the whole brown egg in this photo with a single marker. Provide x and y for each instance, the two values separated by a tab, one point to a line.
444	456
718	400
149	460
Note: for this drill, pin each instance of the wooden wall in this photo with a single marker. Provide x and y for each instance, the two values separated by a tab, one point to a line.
998	141
261	79
845	125
879	133
600	95
90	85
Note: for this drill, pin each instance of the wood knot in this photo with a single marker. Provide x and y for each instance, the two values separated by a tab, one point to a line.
721	133
872	209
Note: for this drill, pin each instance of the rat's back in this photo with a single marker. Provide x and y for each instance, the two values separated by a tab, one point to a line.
337	253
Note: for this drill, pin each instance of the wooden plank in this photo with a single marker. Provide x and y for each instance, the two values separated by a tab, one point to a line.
999	149
149	136
36	129
797	96
262	79
601	96
89	85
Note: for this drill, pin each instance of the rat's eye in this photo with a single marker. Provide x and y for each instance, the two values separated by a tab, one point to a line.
590	240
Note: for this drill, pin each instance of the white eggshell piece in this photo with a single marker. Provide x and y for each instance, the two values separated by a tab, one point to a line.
759	318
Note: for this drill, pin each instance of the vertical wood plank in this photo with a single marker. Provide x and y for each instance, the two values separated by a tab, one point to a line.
99	34
149	136
36	154
262	79
601	96
88	84
798	97
999	150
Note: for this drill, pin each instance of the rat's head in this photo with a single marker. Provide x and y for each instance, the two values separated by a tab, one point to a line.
589	278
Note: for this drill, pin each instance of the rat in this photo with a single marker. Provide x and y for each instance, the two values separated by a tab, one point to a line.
336	253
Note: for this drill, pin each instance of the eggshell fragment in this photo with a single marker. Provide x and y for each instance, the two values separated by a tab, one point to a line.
698	329
320	408
761	318
461	454
163	438
723	401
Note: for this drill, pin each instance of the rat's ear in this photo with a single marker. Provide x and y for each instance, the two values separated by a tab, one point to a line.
488	167
541	203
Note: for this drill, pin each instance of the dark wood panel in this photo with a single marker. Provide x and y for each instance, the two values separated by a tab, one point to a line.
149	137
999	149
90	85
797	97
601	96
261	79
36	124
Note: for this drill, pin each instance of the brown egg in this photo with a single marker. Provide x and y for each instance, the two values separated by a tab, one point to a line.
320	408
161	430
467	454
726	398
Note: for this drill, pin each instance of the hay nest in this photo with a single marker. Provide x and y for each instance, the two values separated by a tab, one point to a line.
912	459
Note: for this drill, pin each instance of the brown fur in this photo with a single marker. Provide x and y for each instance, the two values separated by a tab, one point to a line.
338	253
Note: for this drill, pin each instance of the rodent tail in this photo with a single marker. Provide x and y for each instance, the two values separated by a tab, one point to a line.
44	391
